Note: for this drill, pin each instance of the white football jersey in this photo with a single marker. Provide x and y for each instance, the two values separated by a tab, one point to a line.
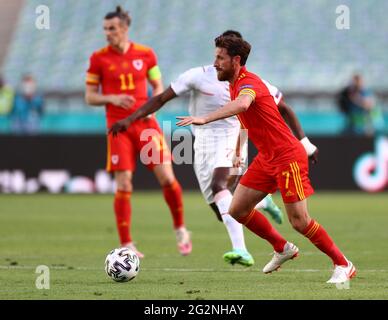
275	92
207	94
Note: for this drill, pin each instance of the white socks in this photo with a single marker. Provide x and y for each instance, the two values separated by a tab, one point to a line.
223	199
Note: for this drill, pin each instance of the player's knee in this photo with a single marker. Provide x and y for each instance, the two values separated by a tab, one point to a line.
125	186
124	182
218	186
299	223
167	181
166	178
235	212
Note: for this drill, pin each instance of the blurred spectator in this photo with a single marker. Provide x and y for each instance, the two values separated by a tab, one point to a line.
363	116
28	107
6	98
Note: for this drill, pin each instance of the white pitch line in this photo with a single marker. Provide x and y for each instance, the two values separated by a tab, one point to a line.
4	267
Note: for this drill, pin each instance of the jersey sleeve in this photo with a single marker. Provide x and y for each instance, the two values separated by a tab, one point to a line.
186	81
153	72
93	74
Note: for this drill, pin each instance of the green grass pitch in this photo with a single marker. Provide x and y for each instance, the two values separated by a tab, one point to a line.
72	235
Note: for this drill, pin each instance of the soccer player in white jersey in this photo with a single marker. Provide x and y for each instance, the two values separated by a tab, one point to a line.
214	146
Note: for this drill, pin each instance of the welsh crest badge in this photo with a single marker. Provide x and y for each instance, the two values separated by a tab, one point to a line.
138	64
115	159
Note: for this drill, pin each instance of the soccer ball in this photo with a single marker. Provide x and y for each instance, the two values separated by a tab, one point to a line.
122	264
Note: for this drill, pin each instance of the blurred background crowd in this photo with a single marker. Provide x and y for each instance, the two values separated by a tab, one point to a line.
327	57
334	79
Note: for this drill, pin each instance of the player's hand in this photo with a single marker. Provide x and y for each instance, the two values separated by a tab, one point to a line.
187	120
314	156
311	149
120	126
237	161
124	101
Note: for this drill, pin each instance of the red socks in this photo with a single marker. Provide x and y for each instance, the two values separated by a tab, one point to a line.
259	224
319	237
122	208
173	196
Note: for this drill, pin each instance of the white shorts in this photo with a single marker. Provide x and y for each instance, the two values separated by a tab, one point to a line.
215	148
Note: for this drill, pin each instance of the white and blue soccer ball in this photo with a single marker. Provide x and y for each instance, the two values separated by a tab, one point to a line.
122	265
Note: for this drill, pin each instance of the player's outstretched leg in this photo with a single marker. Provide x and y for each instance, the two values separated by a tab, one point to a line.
239	254
223	198
283	250
245	199
343	269
269	206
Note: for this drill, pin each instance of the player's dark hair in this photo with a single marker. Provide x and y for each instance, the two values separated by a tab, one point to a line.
232	33
121	14
234	46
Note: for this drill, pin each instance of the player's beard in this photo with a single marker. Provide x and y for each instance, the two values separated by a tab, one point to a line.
224	75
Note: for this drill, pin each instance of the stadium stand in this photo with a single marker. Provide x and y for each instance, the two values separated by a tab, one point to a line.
296	47
8	17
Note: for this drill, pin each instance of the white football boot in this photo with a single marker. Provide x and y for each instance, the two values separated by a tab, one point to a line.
183	239
290	251
131	246
342	274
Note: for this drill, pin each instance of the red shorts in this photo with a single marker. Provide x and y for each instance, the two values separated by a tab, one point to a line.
290	177
144	138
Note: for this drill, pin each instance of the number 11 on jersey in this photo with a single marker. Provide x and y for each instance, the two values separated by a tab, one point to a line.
127	82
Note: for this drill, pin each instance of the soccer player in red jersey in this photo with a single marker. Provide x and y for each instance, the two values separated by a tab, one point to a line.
281	163
117	79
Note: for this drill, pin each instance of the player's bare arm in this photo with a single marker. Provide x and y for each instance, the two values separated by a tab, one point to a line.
232	108
94	98
151	106
242	139
291	119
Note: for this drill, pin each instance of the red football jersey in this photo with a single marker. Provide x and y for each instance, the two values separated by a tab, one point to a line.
123	73
266	127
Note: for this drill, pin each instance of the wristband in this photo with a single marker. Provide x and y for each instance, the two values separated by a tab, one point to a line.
308	146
